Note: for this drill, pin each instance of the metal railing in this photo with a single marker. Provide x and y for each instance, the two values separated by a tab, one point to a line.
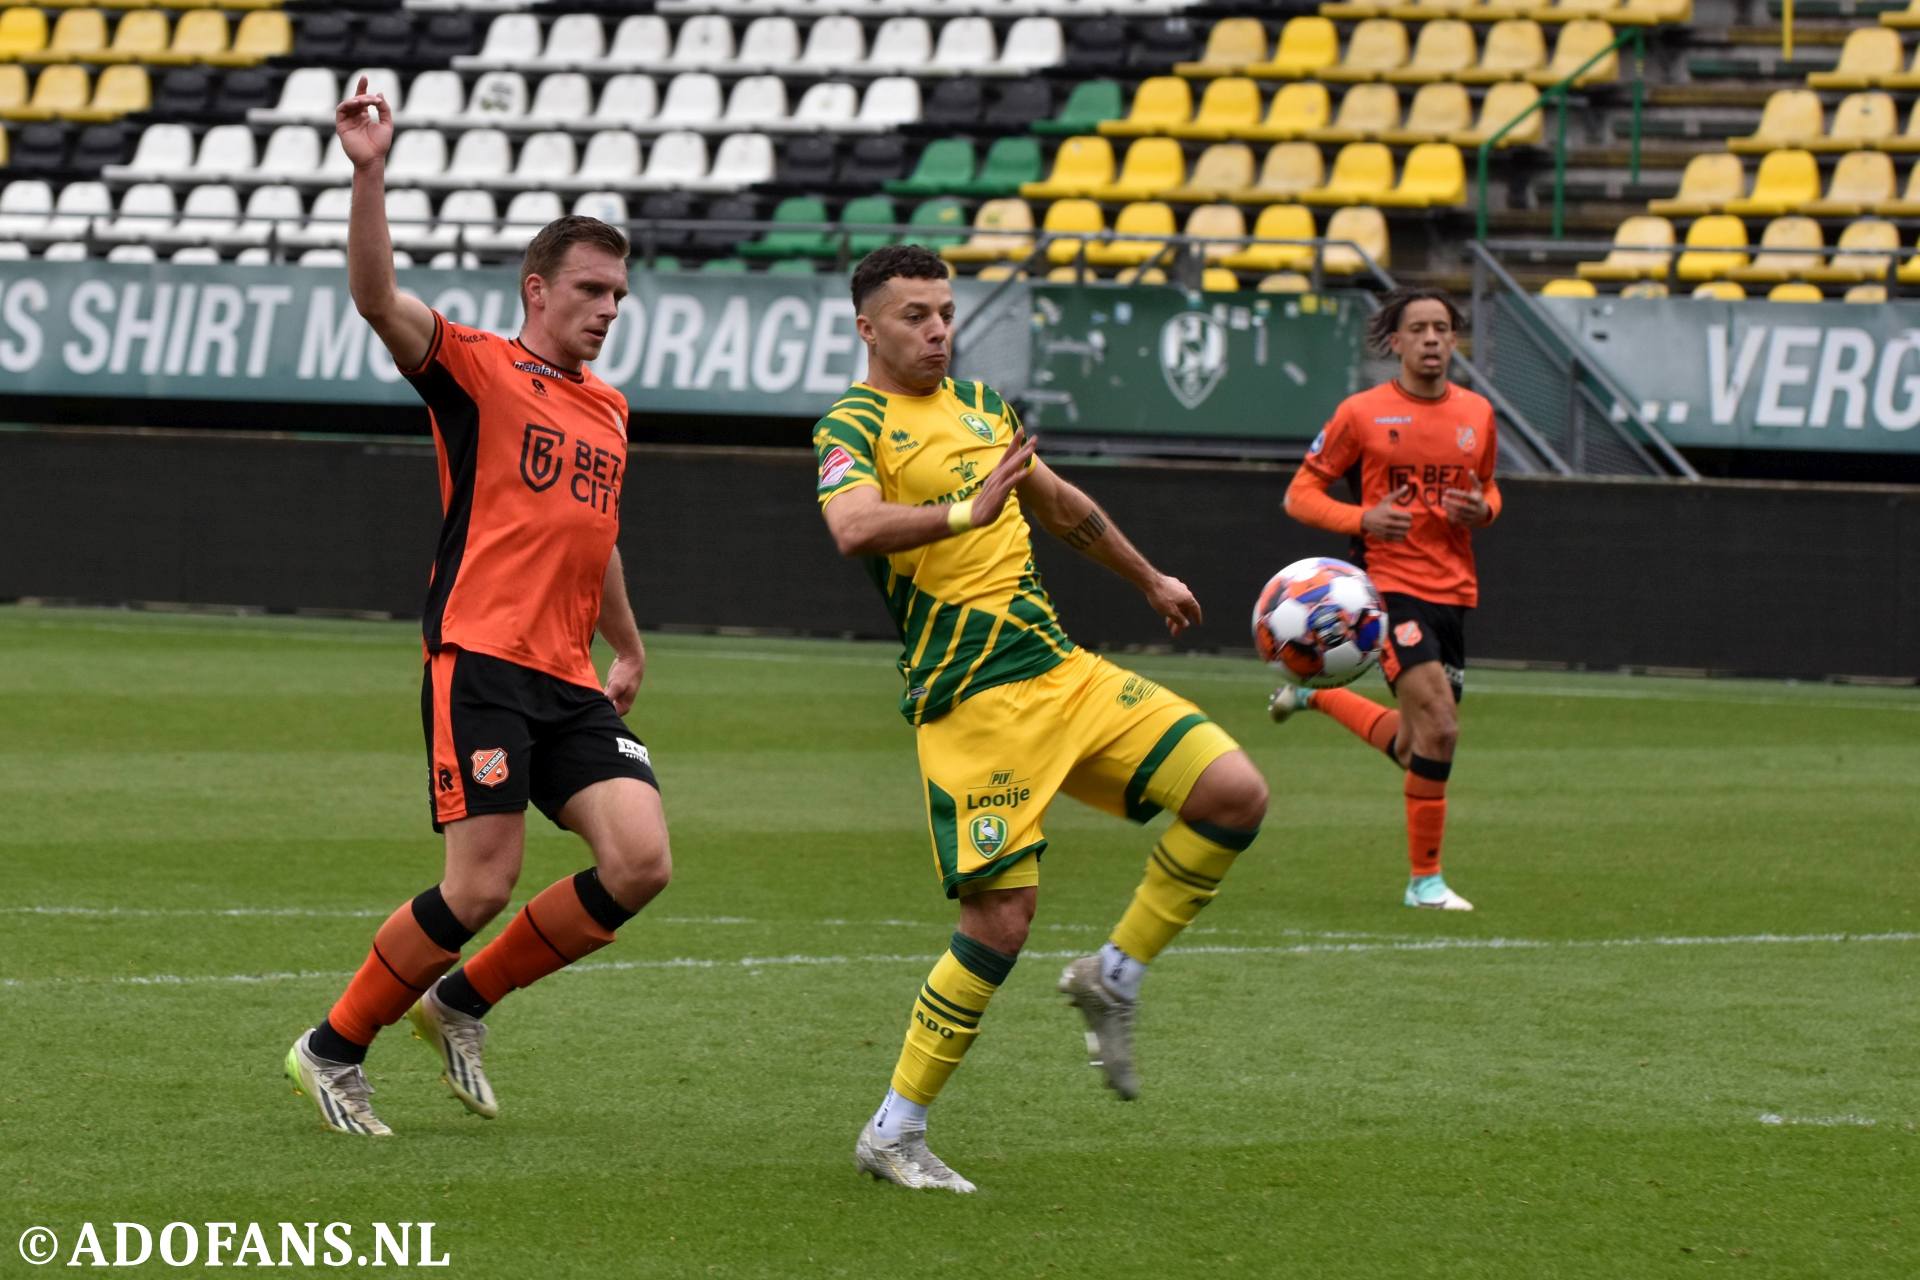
1559	93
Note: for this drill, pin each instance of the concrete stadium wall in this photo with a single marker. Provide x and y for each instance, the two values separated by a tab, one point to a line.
1758	579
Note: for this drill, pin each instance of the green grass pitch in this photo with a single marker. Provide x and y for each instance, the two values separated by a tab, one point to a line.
1680	1033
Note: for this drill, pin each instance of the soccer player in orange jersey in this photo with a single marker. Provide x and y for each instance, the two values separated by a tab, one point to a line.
1420	453
532	450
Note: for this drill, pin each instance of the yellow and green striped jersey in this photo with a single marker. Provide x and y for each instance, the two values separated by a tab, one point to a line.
971	610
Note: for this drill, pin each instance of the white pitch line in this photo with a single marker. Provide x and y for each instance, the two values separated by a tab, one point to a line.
797	960
1823	1122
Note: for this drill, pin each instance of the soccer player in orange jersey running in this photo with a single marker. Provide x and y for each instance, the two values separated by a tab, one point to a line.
533	450
1420	452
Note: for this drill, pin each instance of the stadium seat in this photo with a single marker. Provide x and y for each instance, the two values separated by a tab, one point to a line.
947	164
1146	224
1906	205
1223	168
1152	165
239	92
1277	222
481	158
889	102
1642	248
1001	229
1579	41
1645	289
226	152
770	44
1219	280
1080	165
966	46
1233	45
1707	183
692	101
642	40
326	221
1034	43
755	103
834	43
1568	288
1906	19
1090	103
293	151
938	224
1791	118
1786	180
411	222
1376	47
199	35
145	212
272	212
209	215
1295	111
58	91
322	38
1131	275
26	205
1362	172
704	42
435	98
954	106
1443	49
1162	41
1792	248
526	213
1367	112
1289	170
628	101
609	207
383	39
902	46
1861	121
119	91
784	240
561	99
1221	225
1071	219
64	251
873	162
1361	225
1862	182
99	145
78	209
1307	46
1017	104
305	95
163	149
1009	163
441	38
1438	113
133	253
1285	282
546	159
79	35
1724	238
1229	107
513	39
1871	56
262	34
418	156
1434	176
742	160
676	159
1096	44
1653	13
1875	234
793	267
1719	291
611	159
23	31
1515	49
1868	293
998	271
864	212
182	91
1159	104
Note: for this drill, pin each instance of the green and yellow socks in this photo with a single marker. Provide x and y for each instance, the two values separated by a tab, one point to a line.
946	1020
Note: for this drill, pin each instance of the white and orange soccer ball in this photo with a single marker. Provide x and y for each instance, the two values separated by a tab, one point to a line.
1319	622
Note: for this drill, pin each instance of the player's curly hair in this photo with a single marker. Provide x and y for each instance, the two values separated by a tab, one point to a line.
1382	325
549	248
913	261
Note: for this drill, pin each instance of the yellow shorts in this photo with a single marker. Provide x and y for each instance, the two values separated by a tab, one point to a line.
1098	732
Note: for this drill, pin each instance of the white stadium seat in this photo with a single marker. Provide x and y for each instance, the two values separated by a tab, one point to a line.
410	219
1032	43
13	251
742	160
966	47
164	150
138	253
65	251
480	157
757	102
293	151
641	40
307	94
211	213
78	210
834	44
196	255
574	40
527	213
25	207
511	39
435	97
226	151
146	211
770	44
324	257
676	159
546	159
326	222
466	213
611	159
705	42
418	155
273	212
692	101
627	100
902	45
889	102
827	106
608	206
565	97
498	97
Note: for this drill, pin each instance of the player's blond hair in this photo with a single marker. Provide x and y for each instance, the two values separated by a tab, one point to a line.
549	249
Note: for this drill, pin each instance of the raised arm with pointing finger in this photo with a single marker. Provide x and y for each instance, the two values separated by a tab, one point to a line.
364	123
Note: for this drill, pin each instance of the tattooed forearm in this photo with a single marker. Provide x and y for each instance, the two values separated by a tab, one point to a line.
1087	532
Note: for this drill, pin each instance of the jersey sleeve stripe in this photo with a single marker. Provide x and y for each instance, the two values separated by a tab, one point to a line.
844	414
990	401
862	393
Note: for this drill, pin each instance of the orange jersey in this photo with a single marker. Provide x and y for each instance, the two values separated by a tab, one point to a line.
1394	438
531	462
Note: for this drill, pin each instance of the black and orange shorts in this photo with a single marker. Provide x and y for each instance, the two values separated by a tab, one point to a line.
1421	631
500	735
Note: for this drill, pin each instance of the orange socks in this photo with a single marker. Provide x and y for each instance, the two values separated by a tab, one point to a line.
1426	793
567	920
417	944
1365	719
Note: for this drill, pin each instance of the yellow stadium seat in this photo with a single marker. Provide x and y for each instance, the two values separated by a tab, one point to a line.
1355	10
1514	48
1654	13
13	87
1307	45
78	35
138	37
1289	169
1869	56
1152	165
1296	110
57	91
1071	218
1786	180
1642	248
263	34
999	271
1219	280
1868	234
1866	293
1905	19
1908	79
1377	46
1566	288
1719	291
1791	118
1277	222
1504	102
1580	40
1221	224
1228	109
1075	274
1001	229
1427	10
1796	291
1571	10
1723	241
1223	168
133	4
1907	205
1862	181
1362	173
1285	282
1361	225
22	31
1434	177
119	91
1233	45
1437	112
1158	104
1140	276
1445	48
1148	223
1799	249
1645	289
1706	184
1082	163
199	34
1863	121
1367	111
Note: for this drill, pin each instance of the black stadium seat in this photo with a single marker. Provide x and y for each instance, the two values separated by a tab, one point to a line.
805	163
732	208
243	89
100	145
1096	44
668	206
37	148
321	38
953	105
1019	103
874	162
1159	44
182	91
445	37
384	40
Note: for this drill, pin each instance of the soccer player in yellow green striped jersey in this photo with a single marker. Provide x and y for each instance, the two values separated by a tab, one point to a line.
932	482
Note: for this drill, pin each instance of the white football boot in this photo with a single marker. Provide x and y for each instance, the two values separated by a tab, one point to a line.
905	1161
338	1089
1109	1024
458	1038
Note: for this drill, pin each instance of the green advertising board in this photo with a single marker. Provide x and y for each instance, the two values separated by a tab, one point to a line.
1157	361
1760	375
754	345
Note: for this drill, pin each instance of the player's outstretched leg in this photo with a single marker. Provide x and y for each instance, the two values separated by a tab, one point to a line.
1219	818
